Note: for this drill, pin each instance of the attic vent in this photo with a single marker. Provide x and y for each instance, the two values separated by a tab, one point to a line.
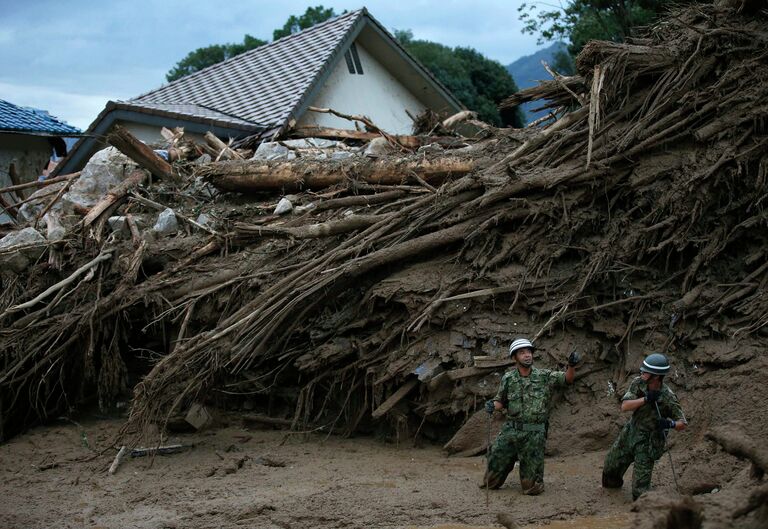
353	60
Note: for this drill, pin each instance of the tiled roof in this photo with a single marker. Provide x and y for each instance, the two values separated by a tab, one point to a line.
263	85
18	119
185	111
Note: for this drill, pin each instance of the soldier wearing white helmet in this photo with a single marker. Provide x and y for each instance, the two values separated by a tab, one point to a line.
525	393
655	410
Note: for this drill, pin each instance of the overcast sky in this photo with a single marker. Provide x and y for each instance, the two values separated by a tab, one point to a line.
70	57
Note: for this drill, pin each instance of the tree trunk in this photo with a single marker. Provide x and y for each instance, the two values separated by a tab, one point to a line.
319	174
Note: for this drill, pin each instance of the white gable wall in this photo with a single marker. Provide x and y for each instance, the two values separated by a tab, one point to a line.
376	94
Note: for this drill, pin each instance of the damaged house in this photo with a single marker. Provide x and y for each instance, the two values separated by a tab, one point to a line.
29	138
349	63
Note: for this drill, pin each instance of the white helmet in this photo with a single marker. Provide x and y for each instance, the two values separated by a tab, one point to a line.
520	343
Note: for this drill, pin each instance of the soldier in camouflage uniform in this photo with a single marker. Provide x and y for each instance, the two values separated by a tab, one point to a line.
642	439
525	394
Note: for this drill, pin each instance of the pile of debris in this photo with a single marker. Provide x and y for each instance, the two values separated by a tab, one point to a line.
383	289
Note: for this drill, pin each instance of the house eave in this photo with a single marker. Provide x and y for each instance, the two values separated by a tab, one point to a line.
116	112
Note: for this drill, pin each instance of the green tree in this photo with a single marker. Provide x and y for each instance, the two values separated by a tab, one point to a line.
478	82
583	20
210	55
312	16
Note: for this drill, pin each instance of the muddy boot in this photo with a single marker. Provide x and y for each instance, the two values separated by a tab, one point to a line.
612	482
493	480
531	488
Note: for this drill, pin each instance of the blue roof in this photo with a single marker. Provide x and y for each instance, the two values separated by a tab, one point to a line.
19	119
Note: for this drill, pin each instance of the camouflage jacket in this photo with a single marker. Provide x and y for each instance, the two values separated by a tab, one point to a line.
527	398
646	417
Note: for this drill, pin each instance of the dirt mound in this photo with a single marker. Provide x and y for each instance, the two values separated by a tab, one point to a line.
632	222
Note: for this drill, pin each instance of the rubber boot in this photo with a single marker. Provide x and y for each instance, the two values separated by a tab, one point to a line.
612	482
531	488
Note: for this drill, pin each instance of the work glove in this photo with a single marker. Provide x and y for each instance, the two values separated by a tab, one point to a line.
652	395
490	406
666	424
574	358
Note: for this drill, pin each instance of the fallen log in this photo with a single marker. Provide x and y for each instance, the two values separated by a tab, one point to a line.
140	153
114	196
319	174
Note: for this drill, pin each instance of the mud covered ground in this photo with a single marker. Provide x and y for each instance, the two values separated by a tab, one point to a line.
232	478
239	477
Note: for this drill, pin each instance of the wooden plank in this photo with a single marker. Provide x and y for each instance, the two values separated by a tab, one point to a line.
396	397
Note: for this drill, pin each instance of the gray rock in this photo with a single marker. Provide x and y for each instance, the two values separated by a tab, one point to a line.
20	249
284	206
166	223
106	169
273	151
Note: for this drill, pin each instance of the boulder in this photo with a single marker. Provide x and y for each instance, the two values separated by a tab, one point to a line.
20	249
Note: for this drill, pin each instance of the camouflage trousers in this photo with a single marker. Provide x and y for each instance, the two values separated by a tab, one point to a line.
517	444
641	447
